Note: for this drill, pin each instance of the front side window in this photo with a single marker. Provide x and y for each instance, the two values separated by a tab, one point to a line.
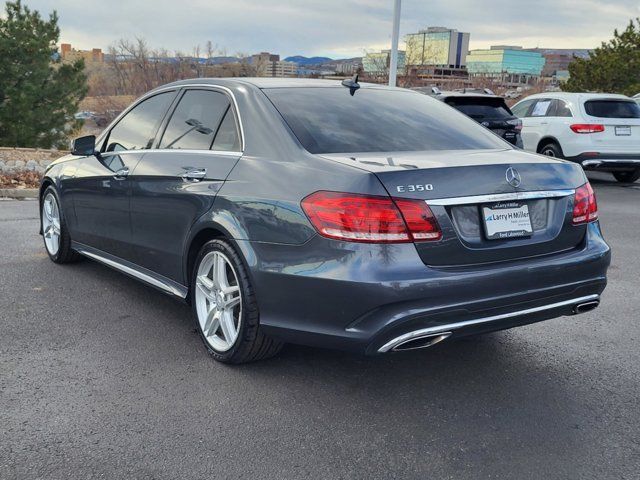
331	120
520	110
612	108
194	123
137	129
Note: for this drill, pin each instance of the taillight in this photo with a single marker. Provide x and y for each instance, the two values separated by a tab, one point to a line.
585	207
587	128
365	218
517	123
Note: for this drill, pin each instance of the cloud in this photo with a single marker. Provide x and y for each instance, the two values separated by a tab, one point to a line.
332	27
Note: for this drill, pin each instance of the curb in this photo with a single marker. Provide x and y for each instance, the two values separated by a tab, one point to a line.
18	193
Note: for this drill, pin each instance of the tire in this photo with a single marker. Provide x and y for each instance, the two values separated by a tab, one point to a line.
552	150
233	333
55	233
627	177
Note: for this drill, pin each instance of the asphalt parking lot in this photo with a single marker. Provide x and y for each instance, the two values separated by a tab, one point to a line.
103	377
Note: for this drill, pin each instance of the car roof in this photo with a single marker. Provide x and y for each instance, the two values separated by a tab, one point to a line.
572	96
271	82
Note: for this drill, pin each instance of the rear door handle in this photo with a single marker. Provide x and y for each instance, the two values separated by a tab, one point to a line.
121	174
194	175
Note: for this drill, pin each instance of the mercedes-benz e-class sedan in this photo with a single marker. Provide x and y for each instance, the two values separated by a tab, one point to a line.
341	215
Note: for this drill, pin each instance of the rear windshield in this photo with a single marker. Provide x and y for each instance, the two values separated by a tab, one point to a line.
330	120
482	108
612	109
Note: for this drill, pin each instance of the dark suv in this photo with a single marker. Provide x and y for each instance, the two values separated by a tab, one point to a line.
489	110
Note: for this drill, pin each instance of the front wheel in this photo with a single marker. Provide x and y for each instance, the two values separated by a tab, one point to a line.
628	176
225	307
54	229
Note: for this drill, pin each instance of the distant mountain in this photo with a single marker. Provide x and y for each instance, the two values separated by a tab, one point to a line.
300	60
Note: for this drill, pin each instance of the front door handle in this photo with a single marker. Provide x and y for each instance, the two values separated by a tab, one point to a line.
194	174
121	174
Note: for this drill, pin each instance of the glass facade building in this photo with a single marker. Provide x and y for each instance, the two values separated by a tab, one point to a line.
437	46
505	60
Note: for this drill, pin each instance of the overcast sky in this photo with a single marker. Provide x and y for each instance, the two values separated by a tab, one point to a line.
334	28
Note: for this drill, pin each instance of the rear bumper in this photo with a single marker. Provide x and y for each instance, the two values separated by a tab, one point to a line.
608	162
360	297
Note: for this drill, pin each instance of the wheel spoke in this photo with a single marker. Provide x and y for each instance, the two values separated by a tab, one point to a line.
205	285
220	272
212	323
232	302
228	327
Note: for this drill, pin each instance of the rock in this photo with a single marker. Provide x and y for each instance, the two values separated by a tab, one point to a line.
19	164
31	165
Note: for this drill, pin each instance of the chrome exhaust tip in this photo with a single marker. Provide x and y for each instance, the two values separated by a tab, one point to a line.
585	307
424	341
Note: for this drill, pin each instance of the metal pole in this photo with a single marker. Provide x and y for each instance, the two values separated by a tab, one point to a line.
393	62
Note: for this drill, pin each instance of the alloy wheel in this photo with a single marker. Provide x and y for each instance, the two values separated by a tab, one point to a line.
218	301
51	224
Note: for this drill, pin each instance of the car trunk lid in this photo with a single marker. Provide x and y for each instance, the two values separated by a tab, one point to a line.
459	185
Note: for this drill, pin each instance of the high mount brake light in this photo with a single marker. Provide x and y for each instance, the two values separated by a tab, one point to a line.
585	207
370	219
587	128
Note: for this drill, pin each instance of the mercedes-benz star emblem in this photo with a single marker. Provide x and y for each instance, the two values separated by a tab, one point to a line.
513	177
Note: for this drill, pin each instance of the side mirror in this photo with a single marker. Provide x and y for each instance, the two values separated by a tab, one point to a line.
84	146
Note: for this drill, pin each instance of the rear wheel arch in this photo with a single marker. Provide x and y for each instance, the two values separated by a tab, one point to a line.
546	141
195	244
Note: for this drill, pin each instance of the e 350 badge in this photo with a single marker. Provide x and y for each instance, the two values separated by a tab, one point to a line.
414	188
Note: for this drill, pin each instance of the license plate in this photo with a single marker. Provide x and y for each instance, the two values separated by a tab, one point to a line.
623	131
506	220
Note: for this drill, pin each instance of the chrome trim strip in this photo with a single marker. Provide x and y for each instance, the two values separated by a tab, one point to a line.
501	197
177	88
604	161
174	151
455	326
133	272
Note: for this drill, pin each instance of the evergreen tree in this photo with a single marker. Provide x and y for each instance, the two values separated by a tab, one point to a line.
38	93
614	67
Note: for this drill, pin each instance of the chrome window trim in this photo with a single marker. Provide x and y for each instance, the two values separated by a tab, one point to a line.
174	150
501	197
164	286
455	326
147	95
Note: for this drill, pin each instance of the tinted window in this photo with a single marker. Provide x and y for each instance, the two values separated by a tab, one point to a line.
330	120
195	121
521	109
612	109
481	108
227	138
560	109
137	129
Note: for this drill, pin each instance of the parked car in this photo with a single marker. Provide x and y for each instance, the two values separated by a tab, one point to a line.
489	110
341	215
598	131
637	98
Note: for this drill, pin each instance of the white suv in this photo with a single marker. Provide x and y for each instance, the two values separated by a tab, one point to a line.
599	131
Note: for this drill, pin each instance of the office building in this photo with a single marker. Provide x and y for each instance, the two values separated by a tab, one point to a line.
437	46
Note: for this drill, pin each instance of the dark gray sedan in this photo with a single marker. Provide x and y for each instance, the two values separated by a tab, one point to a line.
340	215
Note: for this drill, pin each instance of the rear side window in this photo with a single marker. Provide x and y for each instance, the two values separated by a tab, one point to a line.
195	120
331	120
612	109
227	138
481	108
138	128
560	109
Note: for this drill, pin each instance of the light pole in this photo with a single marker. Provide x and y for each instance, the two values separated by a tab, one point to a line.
393	61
